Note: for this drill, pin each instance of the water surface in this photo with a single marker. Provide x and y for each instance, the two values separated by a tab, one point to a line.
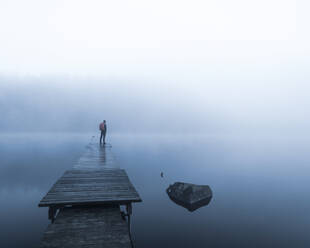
260	187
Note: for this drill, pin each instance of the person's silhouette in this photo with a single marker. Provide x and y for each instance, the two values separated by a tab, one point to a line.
103	129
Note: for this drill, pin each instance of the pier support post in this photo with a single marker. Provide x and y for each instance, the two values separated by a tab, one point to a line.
129	209
51	213
129	212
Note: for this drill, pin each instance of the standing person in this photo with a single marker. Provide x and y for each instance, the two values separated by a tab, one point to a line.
103	129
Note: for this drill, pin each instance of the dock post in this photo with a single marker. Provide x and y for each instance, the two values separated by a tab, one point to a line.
129	212
51	213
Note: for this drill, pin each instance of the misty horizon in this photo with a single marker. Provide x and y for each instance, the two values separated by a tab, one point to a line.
78	105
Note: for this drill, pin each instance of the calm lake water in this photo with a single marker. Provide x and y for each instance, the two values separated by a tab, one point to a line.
260	187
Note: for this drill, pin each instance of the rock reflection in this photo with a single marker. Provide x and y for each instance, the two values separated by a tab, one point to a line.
189	196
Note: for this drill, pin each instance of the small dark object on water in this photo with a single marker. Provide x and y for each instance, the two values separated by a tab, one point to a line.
190	196
162	174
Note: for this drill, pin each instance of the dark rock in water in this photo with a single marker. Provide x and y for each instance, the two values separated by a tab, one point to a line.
190	196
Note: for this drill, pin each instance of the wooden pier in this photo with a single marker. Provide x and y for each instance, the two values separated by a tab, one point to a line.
84	204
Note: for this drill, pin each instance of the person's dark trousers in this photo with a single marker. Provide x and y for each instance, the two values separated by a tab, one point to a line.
102	136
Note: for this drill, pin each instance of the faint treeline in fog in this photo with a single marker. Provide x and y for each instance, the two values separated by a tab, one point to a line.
217	105
54	104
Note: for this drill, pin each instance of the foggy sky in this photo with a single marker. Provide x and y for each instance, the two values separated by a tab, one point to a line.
165	66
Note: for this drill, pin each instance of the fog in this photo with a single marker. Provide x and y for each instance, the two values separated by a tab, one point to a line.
60	104
209	92
127	107
164	67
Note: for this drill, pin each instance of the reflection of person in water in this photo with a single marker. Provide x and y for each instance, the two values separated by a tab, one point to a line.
103	129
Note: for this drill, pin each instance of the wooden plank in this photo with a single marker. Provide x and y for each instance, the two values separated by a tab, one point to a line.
87	227
97	183
80	187
97	156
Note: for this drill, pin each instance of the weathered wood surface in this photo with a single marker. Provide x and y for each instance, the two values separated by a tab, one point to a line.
93	189
97	157
81	187
87	227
